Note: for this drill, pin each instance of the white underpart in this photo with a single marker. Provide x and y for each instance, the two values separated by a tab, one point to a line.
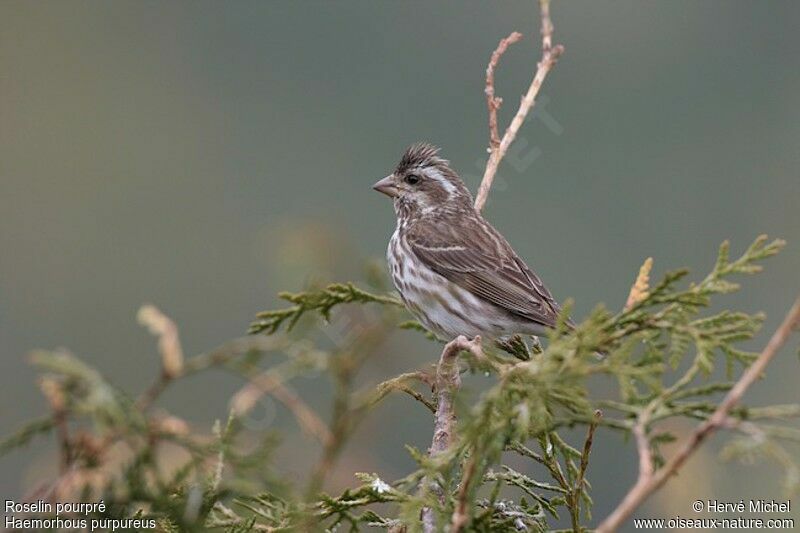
449	310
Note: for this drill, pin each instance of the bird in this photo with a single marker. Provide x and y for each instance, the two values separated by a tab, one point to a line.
454	271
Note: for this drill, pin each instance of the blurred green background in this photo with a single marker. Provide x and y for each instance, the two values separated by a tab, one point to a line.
204	155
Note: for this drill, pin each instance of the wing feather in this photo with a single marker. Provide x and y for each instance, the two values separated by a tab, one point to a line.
473	255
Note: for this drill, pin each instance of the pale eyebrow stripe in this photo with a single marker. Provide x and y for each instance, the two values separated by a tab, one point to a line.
436	175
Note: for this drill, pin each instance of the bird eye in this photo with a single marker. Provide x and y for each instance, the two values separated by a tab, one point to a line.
412	179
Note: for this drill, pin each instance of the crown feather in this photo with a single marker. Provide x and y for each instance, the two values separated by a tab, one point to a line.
420	155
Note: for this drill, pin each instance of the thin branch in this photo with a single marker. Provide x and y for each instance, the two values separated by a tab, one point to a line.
646	464
581	481
217	357
448	380
650	480
399	383
346	413
53	391
587	446
461	513
268	383
169	345
151	394
550	55
493	102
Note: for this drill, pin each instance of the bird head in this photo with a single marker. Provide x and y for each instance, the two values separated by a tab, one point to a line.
424	182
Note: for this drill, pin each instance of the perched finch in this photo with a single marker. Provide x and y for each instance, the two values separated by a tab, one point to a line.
454	271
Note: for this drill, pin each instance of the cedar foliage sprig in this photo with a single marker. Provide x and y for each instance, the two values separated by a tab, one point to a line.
321	300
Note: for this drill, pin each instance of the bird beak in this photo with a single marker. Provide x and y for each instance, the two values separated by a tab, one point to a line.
387	187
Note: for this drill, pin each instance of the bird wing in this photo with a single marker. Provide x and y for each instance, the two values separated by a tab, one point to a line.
473	255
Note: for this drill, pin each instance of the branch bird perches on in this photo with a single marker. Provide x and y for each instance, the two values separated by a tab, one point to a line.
447	376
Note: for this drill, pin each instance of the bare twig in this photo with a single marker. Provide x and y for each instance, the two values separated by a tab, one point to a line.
577	493
550	55
54	393
169	345
461	513
218	357
649	479
268	383
151	394
448	380
447	376
399	383
646	464
347	412
494	102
